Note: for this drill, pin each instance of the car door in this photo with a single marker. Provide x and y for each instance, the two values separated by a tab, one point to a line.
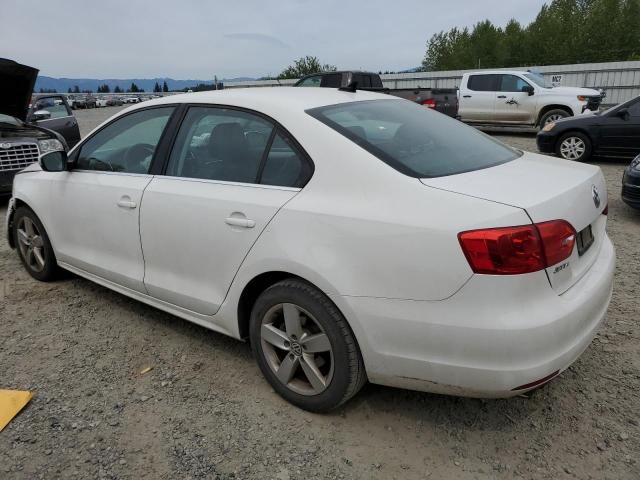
95	224
512	105
620	135
61	118
478	100
228	174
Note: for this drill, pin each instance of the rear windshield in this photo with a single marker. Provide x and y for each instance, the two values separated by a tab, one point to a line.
413	139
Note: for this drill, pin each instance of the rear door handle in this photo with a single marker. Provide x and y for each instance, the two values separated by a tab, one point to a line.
240	222
502	96
126	202
466	96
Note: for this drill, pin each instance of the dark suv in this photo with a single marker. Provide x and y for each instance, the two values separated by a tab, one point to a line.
28	131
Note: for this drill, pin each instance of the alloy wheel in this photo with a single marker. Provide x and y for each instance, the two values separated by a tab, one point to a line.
572	148
297	349
554	118
31	244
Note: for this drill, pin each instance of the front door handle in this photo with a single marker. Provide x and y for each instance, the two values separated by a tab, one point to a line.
466	96
240	222
126	202
502	96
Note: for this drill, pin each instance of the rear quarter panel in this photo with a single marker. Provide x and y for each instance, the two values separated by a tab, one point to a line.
361	228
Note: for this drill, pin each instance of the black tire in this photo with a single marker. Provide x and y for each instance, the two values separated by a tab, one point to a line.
50	270
348	373
563	149
553	115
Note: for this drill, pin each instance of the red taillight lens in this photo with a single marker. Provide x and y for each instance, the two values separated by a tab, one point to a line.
429	103
558	238
517	250
503	251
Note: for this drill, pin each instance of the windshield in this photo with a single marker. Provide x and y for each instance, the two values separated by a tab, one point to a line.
538	80
413	139
7	119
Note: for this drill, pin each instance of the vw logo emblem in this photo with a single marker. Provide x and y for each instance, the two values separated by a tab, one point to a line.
296	349
5	146
596	196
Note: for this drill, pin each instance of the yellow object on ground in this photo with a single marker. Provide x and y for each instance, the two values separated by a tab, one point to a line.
11	402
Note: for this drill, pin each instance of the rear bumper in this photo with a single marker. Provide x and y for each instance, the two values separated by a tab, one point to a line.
496	334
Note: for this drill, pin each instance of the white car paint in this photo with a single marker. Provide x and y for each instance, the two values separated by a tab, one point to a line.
382	245
517	108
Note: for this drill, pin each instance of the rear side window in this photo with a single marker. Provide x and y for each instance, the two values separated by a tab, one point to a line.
364	81
483	83
216	143
284	166
414	140
333	80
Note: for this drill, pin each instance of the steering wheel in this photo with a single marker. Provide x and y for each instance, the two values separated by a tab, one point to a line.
135	156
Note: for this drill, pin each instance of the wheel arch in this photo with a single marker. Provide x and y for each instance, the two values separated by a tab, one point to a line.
22	202
17	203
260	283
555	106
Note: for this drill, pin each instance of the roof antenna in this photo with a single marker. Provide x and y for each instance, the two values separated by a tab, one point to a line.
353	85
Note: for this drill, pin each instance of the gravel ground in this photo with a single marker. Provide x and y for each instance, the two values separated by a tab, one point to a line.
204	410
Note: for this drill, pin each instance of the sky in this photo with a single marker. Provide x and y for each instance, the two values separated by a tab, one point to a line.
197	39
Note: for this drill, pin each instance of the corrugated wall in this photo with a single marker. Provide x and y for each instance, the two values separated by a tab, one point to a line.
621	80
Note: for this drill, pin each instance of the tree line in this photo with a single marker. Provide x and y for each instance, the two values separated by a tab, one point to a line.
563	32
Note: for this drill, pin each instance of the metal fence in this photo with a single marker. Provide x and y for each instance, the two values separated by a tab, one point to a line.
620	80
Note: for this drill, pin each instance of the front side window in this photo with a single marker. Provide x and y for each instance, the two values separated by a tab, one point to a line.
483	83
512	83
216	143
311	82
54	105
414	140
538	80
127	144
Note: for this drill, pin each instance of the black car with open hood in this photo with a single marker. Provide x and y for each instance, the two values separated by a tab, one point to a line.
29	128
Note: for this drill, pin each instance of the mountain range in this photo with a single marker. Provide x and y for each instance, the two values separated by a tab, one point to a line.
92	84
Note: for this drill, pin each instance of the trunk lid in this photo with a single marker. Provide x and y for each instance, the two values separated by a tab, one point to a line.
16	87
547	189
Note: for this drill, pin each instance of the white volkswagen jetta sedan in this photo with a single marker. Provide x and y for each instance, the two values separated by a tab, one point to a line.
350	236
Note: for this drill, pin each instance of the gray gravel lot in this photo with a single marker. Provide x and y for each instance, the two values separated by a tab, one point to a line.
204	410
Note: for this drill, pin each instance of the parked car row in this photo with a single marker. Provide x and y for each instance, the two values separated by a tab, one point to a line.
298	248
488	98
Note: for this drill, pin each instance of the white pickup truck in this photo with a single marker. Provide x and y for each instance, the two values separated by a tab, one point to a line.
515	98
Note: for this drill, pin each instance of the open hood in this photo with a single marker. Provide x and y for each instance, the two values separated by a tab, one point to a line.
16	87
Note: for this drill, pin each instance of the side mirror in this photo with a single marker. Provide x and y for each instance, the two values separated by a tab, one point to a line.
40	115
528	89
623	113
54	161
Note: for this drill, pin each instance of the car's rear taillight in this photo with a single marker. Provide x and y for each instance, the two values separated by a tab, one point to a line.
558	239
517	250
429	103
